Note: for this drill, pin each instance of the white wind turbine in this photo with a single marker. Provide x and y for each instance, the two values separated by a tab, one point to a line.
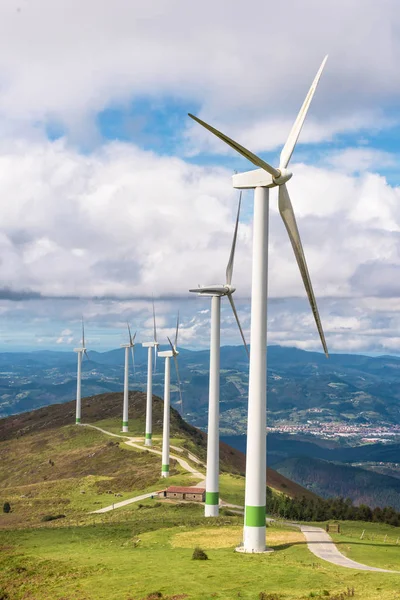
125	408
261	180
149	401
168	354
211	508
80	351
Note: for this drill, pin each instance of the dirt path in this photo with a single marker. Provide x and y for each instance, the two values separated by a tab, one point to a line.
136	442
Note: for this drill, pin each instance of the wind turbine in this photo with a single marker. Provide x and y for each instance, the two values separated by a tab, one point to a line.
211	508
80	351
125	409
149	401
261	180
168	354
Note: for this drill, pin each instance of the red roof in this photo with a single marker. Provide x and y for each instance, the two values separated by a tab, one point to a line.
185	490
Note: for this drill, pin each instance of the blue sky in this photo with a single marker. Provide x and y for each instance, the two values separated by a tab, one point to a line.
110	193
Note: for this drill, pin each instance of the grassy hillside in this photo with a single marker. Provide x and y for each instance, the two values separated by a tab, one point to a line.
49	466
143	551
329	479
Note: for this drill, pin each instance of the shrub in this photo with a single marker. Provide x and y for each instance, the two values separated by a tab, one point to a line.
52	517
266	596
199	554
6	507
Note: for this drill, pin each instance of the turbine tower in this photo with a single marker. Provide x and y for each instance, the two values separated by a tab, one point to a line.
80	352
125	408
149	401
261	180
211	508
168	354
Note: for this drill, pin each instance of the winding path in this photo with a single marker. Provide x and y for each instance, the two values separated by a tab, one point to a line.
319	542
133	441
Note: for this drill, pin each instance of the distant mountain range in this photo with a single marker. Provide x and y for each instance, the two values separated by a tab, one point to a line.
346	387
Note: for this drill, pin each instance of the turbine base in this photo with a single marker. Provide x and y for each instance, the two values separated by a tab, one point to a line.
211	510
254	540
148	442
243	550
164	474
125	429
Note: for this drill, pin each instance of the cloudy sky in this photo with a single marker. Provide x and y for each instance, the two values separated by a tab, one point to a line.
110	193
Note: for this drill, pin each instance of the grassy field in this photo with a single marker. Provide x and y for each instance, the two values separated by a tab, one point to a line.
151	552
378	547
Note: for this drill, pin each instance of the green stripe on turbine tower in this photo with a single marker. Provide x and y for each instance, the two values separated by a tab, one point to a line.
78	420
124	423
212	498
165	468
149	436
255	516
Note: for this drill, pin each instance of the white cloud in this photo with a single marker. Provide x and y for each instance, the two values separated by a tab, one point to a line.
67	60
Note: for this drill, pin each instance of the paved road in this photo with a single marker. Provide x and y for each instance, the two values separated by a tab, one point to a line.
320	543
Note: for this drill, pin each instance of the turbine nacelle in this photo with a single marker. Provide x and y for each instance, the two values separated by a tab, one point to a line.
150	344
260	178
214	290
167	354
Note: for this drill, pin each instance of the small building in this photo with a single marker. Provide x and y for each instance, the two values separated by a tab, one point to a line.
193	494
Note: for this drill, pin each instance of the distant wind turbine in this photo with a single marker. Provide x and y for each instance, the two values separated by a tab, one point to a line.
168	354
80	351
125	409
149	401
261	180
211	508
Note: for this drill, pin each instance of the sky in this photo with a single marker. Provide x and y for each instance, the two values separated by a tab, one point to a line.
109	193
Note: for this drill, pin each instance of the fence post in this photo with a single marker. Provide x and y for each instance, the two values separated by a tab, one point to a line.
362	535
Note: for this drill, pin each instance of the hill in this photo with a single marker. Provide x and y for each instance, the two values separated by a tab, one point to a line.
301	385
329	479
48	465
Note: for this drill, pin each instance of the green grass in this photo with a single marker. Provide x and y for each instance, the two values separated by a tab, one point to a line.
372	550
232	488
132	559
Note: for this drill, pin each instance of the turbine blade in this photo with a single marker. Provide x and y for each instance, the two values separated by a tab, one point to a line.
130	335
229	268
243	151
133	360
171	344
83	334
176	332
238	323
155	359
179	383
287	214
288	148
133	339
154	322
86	354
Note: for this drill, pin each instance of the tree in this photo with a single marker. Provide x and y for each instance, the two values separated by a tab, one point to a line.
6	507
